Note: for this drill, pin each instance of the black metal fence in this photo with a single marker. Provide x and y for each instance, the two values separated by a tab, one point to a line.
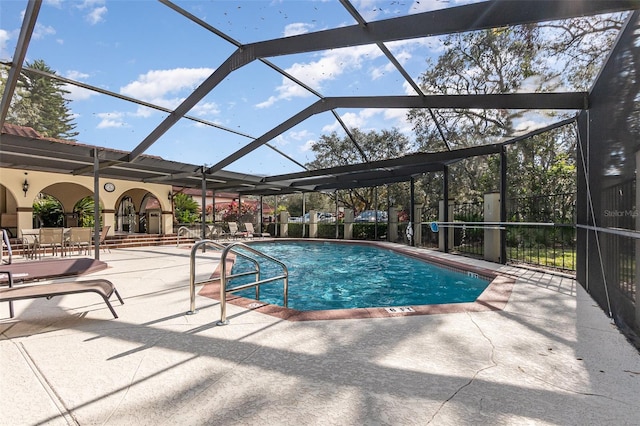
542	231
618	251
469	239
428	237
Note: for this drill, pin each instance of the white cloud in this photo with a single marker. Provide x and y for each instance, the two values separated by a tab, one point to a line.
380	72
76	75
4	39
77	93
97	15
373	119
41	31
143	112
111	119
281	141
272	100
408	89
300	135
306	147
420	6
397	117
97	10
206	109
368	9
89	4
297	28
156	85
331	65
351	120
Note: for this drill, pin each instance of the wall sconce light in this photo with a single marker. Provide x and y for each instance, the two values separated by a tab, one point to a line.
25	185
170	196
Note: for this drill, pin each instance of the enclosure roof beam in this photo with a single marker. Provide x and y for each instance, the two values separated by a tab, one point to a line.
572	101
26	31
484	15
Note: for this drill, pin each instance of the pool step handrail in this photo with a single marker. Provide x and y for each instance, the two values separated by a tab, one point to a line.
188	233
192	270
256	284
224	277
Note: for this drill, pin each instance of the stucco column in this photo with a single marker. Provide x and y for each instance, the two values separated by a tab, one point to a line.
348	224
392	232
313	224
167	223
109	218
417	224
24	219
284	224
492	236
441	232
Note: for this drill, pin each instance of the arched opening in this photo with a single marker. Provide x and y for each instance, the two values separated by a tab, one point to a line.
83	214
126	215
48	212
8	211
139	211
150	215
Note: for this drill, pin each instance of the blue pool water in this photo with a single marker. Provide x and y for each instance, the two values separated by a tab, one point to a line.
324	275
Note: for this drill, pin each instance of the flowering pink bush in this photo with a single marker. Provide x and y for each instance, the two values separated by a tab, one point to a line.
229	212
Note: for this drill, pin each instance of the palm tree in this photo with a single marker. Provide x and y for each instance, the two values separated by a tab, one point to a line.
85	210
186	208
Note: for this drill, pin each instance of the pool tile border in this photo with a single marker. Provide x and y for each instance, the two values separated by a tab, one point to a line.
495	297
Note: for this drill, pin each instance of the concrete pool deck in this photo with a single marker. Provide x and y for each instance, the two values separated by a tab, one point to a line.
551	356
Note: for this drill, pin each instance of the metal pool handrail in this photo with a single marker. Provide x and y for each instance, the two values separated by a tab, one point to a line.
224	278
190	234
256	284
192	274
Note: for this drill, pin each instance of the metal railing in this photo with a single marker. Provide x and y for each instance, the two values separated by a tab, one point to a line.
224	277
188	233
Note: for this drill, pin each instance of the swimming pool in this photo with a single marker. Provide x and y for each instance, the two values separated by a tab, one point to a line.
331	275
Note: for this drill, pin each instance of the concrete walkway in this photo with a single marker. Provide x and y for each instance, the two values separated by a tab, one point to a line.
551	357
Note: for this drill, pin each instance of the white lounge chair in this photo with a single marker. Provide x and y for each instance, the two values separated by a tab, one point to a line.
234	231
252	233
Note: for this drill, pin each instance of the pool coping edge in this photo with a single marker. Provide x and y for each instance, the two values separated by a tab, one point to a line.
495	297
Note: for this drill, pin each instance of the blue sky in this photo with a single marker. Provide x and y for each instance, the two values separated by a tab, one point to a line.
145	50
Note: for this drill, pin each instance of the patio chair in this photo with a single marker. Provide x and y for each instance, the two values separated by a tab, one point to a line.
29	239
234	231
5	243
103	238
80	238
33	291
212	233
216	233
52	238
252	233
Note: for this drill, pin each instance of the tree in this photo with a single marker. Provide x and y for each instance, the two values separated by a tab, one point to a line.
482	62
583	44
531	58
186	208
48	211
84	208
331	150
39	102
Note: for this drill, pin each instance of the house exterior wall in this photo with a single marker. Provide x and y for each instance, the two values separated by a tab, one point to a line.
69	189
